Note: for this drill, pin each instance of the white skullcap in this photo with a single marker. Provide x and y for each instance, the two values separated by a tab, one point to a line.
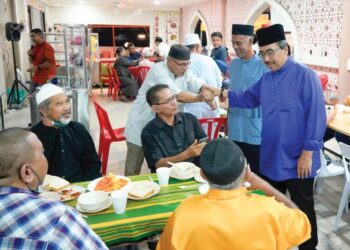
191	39
47	91
147	52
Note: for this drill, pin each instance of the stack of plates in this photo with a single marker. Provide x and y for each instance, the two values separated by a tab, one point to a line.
93	202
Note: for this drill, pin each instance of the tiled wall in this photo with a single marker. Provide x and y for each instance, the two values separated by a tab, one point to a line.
318	25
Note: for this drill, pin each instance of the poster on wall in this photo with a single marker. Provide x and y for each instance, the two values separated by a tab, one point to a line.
167	26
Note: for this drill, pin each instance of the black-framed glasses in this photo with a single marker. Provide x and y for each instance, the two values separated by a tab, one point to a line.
269	53
169	100
182	65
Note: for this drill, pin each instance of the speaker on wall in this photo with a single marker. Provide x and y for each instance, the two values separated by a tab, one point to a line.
13	31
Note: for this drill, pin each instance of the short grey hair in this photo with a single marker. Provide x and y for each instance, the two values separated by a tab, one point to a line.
282	44
45	104
230	186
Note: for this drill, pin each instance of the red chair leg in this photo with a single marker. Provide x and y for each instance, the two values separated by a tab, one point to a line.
105	154
100	146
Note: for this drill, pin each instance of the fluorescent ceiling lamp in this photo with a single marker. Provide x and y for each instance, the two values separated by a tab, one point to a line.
156	2
141	36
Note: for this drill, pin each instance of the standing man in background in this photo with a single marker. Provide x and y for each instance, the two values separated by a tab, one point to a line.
219	52
244	125
162	49
42	57
205	68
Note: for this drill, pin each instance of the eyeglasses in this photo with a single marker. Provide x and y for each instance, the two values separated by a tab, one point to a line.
269	53
169	100
182	65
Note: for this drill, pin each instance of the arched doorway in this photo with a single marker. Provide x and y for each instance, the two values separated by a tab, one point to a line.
199	26
283	16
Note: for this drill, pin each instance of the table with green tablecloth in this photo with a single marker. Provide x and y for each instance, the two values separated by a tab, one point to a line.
142	219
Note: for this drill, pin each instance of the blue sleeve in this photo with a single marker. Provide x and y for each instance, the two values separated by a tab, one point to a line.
316	118
249	98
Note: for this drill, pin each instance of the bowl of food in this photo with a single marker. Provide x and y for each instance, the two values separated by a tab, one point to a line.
183	170
93	200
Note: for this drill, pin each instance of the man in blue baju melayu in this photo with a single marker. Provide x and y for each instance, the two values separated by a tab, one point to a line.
293	122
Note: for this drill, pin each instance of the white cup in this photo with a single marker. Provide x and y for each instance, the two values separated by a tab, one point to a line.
119	199
163	176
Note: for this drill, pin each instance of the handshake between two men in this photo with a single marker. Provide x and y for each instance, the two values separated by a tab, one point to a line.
209	93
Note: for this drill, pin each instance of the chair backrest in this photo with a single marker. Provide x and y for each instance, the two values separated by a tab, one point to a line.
115	76
143	70
345	150
106	54
324	81
134	71
103	120
209	123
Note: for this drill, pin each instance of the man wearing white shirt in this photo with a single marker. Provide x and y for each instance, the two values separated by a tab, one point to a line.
205	68
162	49
173	72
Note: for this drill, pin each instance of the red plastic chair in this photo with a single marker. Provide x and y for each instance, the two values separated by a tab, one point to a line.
134	71
143	70
324	81
219	122
114	87
107	136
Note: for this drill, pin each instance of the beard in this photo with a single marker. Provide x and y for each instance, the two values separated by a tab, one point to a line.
66	118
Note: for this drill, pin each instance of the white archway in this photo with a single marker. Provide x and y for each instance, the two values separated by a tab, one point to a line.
194	20
262	5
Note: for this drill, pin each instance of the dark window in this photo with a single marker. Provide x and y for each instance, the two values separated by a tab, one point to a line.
105	36
137	35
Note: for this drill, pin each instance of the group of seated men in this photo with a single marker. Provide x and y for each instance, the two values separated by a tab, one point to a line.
229	215
228	211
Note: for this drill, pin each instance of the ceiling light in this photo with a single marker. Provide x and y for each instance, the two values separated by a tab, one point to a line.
139	10
141	36
81	2
156	2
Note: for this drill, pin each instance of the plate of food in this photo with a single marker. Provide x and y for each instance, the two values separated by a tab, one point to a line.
71	192
182	170
142	190
109	183
54	183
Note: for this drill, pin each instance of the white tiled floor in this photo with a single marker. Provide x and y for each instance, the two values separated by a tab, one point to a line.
326	204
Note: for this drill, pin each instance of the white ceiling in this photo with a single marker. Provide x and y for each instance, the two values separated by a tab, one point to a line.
127	4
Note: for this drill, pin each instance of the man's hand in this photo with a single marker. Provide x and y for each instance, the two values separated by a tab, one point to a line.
304	164
30	52
32	69
213	105
195	149
207	94
255	181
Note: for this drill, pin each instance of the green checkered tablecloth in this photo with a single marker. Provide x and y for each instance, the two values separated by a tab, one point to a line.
142	218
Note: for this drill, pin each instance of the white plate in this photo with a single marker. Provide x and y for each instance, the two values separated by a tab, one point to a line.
107	205
190	174
74	188
197	175
155	186
52	196
91	186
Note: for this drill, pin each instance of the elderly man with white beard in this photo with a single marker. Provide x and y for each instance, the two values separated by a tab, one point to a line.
68	146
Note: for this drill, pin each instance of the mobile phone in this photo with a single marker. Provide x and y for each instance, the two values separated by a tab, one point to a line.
204	139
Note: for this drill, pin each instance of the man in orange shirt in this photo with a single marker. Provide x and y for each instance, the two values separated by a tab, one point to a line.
229	216
42	57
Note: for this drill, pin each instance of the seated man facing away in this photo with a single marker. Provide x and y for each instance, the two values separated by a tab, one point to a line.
171	136
27	220
229	216
68	146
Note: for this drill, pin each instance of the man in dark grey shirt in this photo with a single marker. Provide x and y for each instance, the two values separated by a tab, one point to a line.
171	136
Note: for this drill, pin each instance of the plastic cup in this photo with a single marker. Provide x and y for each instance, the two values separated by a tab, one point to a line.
163	176
119	200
